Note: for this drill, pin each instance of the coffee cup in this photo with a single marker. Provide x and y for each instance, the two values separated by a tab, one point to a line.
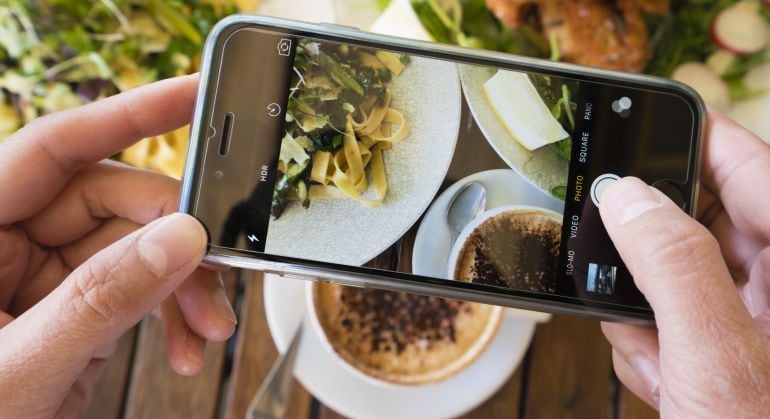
514	246
394	339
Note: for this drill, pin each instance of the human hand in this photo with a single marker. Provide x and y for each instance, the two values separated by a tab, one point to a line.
710	354
84	257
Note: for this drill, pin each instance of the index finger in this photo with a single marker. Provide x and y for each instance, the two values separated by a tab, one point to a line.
737	169
37	161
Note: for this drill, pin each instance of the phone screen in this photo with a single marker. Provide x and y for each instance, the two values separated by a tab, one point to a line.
352	155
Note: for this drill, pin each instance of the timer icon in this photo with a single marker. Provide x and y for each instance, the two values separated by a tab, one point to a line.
273	110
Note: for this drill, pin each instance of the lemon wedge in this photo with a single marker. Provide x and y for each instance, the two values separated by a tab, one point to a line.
522	112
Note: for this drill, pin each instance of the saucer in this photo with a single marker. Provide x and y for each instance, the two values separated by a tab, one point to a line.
323	375
504	187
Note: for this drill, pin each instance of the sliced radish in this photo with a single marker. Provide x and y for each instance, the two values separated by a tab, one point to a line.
706	82
720	60
740	30
758	78
748	5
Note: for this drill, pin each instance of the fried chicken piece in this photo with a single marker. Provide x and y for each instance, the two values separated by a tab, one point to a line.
658	7
510	12
589	32
597	33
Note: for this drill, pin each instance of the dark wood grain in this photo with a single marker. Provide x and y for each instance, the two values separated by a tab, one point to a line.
110	390
569	371
405	249
254	355
157	391
632	407
328	413
503	404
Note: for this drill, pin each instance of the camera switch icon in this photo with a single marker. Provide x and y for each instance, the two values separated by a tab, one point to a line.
622	106
284	47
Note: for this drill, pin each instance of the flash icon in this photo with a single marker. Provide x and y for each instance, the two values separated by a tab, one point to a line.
252	238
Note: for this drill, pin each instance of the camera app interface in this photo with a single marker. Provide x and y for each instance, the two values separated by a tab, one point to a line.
459	172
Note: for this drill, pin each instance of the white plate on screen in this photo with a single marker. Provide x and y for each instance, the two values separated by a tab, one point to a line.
542	167
322	374
343	230
504	187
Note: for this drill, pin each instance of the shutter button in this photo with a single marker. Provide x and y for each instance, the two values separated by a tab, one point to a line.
600	184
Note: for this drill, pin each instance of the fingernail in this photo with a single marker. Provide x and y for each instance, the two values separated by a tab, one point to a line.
656	399
194	347
171	243
628	199
649	372
222	306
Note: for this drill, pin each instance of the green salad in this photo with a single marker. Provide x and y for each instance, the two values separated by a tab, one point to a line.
56	54
685	36
469	23
685	32
557	95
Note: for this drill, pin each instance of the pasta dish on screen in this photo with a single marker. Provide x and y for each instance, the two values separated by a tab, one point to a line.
339	123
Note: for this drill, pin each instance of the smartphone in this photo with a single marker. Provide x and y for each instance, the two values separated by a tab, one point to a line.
324	152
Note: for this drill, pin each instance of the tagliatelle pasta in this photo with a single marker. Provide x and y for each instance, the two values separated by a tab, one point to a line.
340	110
343	187
384	134
163	153
346	168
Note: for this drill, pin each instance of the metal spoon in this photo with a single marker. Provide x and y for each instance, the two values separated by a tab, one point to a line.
272	398
465	205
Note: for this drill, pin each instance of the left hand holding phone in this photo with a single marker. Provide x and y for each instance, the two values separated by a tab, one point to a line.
89	247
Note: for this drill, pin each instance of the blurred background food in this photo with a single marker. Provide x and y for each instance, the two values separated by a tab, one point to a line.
57	54
719	47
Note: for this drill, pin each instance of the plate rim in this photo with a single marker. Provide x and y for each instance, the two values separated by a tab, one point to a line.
487	135
457	99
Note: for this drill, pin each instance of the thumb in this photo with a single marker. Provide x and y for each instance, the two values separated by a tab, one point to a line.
676	263
104	297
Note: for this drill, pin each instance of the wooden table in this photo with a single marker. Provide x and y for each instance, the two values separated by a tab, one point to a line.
567	373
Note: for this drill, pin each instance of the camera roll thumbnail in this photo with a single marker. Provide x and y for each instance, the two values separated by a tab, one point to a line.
601	278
